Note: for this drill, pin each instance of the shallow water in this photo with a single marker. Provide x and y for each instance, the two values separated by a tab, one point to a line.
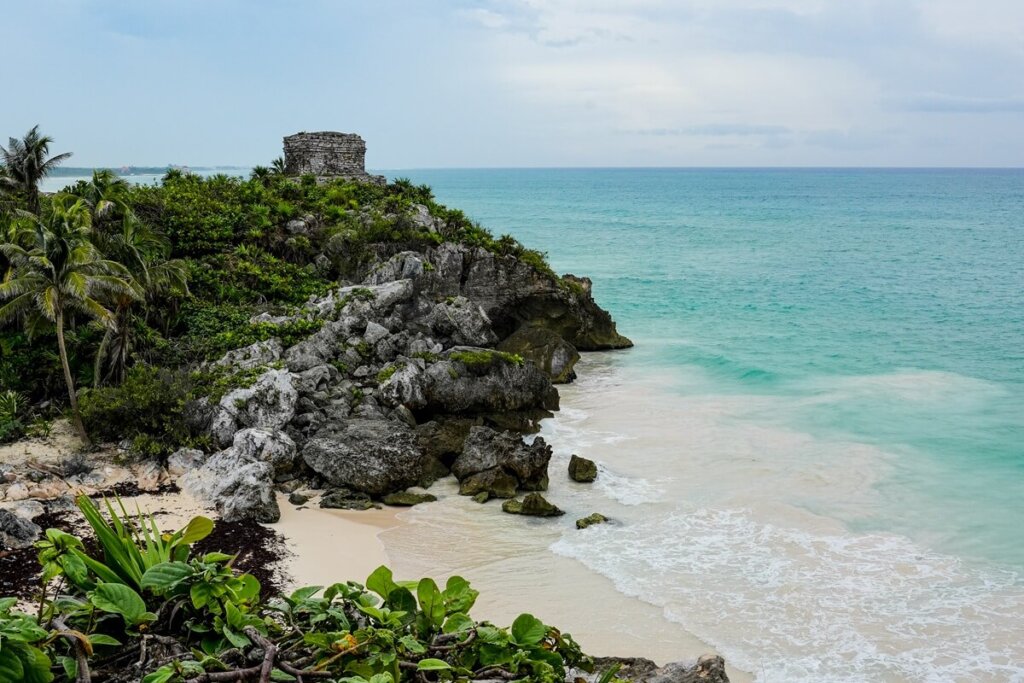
816	451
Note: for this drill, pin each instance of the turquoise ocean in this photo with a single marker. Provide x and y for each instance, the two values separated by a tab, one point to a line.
816	449
814	455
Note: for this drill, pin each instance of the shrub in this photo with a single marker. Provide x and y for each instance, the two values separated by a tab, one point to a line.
149	404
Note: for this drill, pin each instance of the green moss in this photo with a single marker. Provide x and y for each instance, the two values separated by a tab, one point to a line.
477	359
385	374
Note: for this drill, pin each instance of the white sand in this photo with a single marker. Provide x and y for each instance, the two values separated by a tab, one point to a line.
329	546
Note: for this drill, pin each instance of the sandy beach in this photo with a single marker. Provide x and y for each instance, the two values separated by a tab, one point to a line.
334	545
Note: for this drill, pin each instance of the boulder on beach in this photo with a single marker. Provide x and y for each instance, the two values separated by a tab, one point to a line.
501	463
374	456
582	470
346	499
408	498
591	520
533	504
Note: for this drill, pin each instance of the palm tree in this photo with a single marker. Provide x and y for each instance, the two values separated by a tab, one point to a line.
277	166
143	252
27	162
107	195
59	272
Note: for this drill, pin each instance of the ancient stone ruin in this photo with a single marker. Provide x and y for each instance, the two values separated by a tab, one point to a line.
328	155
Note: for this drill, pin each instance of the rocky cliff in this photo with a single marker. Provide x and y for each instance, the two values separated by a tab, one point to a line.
433	364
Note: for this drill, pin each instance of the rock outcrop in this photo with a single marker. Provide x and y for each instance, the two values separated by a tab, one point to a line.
501	464
376	457
582	470
533	505
706	669
438	361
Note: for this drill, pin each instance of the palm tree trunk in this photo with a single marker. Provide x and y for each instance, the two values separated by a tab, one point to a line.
97	366
76	416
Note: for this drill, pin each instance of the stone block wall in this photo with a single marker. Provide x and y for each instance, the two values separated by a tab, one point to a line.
327	155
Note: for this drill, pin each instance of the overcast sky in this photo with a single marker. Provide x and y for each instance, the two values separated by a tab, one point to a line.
523	82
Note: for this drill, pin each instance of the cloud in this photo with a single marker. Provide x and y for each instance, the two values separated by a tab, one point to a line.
717	130
939	103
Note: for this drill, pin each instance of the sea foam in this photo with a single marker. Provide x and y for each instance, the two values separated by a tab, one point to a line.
794	606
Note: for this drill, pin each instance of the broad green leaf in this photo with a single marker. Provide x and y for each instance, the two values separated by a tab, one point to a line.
433	665
76	571
381	582
431	601
458	622
102	639
304	593
250	587
402	599
210	558
165	576
236	639
119	599
11	668
458	596
412	645
161	675
201	595
37	666
196	530
70	666
528	630
491	634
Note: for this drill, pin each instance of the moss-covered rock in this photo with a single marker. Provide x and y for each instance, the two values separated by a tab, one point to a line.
408	498
591	520
496	482
546	350
482	497
344	499
582	470
533	504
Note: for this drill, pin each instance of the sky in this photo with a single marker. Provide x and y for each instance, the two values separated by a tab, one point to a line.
509	83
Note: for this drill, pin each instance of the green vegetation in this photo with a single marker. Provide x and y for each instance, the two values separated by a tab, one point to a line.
478	359
109	285
139	597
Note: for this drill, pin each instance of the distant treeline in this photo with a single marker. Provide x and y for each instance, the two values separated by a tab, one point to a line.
84	171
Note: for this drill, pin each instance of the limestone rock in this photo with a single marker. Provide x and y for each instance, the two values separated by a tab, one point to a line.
273	447
509	463
533	504
482	497
546	350
297	498
235	482
495	482
15	531
513	293
443	438
706	669
345	499
591	520
184	459
471	381
408	498
248	493
269	403
252	356
581	469
460	322
373	456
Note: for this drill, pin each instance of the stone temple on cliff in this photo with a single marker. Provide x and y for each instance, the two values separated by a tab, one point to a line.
328	155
